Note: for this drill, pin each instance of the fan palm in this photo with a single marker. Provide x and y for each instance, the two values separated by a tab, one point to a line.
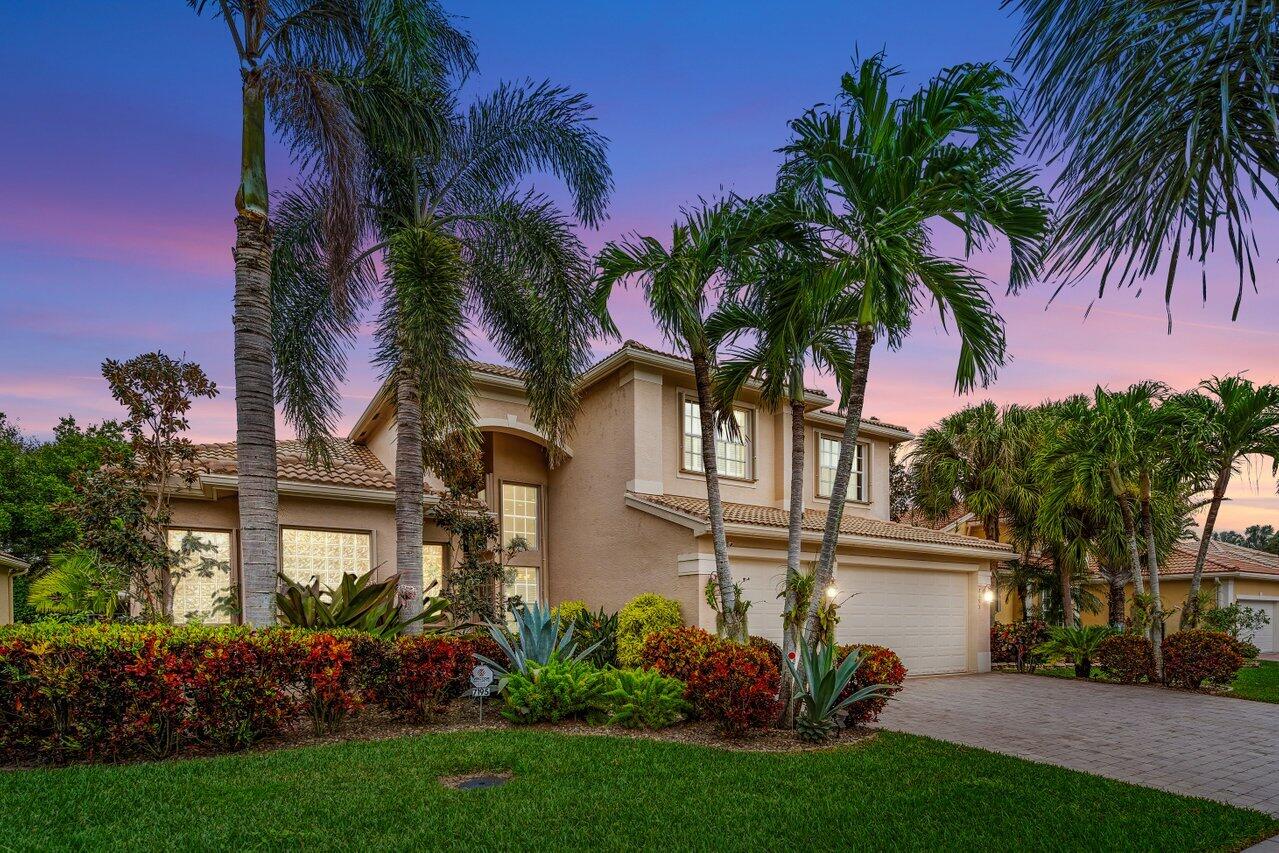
1227	420
872	175
794	315
678	284
1164	114
298	60
460	240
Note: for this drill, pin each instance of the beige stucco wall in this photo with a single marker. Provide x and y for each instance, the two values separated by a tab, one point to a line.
601	551
6	597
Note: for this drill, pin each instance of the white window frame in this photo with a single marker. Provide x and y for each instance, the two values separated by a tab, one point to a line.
859	491
748	441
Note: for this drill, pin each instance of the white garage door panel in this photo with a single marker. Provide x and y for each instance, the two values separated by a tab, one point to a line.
1264	637
921	615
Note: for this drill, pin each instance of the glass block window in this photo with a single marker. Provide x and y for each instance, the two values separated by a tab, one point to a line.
828	461
733	456
519	514
323	554
524	584
433	567
203	585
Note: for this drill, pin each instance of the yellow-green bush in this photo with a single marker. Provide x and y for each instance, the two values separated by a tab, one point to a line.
641	616
568	611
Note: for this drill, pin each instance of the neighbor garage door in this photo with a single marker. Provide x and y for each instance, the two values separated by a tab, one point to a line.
1264	637
921	615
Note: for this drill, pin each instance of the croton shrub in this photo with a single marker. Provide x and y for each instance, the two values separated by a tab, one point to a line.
1015	643
112	692
1127	658
1193	658
880	665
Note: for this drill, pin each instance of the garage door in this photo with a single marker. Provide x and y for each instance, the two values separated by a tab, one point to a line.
1263	637
921	615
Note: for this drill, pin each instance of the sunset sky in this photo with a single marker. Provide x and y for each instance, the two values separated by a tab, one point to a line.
119	163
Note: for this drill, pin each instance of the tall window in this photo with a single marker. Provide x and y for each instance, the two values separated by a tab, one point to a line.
323	554
828	461
519	514
523	583
733	454
433	567
203	590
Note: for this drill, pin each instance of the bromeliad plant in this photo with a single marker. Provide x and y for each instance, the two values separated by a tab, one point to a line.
821	694
538	640
362	604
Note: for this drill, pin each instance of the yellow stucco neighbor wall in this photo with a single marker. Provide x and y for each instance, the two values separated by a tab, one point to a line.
6	597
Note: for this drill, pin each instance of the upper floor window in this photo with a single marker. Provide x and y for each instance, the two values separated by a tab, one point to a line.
734	455
519	515
828	461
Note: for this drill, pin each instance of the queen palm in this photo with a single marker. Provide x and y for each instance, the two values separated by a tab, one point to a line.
792	315
873	174
678	284
297	59
1163	114
1226	421
460	241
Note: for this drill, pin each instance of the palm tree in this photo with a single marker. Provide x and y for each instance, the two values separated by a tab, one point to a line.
1164	116
1227	420
460	240
872	174
297	60
794	315
678	283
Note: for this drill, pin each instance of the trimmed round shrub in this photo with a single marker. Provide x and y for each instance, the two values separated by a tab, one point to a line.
735	686
1127	658
880	665
1195	657
568	611
677	652
770	648
641	616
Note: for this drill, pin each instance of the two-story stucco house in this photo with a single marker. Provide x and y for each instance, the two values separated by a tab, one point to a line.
625	512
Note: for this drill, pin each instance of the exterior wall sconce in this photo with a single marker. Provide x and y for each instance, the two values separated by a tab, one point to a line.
832	592
987	594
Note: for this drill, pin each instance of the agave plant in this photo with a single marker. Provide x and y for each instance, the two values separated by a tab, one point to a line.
359	603
1078	643
538	640
823	682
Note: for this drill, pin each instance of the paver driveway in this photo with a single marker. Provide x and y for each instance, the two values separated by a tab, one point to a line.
1206	746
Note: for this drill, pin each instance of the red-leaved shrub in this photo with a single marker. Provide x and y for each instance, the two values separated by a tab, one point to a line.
773	650
736	687
330	687
677	652
1194	657
424	673
240	689
880	665
1015	642
1127	658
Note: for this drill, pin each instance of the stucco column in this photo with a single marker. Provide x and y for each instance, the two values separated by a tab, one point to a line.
645	399
978	622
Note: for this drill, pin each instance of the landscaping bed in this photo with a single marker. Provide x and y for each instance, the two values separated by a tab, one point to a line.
604	792
1257	683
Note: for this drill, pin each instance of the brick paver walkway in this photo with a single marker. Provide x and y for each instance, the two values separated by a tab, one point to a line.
1205	746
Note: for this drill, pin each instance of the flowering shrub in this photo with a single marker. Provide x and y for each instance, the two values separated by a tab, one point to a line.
880	665
641	616
736	687
1127	658
1015	642
1197	656
677	652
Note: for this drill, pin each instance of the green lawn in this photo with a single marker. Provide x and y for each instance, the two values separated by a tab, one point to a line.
1259	683
568	792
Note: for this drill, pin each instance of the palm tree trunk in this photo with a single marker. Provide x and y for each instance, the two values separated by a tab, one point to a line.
409	484
1152	568
255	421
715	506
843	473
254	367
1134	551
1115	604
1190	612
1067	600
794	532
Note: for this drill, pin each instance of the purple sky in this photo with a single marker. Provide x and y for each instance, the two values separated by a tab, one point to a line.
119	164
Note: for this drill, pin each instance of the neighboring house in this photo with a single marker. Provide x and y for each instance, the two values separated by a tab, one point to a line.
625	512
10	567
